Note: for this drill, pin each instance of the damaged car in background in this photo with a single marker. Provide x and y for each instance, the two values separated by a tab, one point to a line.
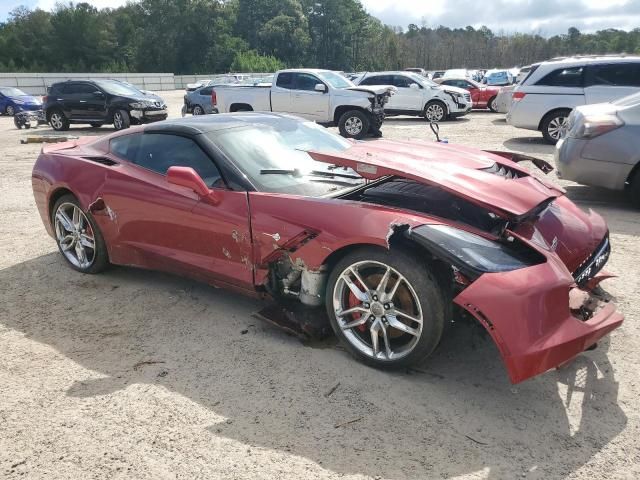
386	241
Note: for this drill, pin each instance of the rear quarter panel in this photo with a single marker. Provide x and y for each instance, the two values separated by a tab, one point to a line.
529	112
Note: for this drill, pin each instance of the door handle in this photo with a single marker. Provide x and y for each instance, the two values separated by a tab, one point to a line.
59	99
83	101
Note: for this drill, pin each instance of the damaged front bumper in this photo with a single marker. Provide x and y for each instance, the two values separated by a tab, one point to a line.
149	115
538	317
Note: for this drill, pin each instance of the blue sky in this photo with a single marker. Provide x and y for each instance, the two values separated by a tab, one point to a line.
547	17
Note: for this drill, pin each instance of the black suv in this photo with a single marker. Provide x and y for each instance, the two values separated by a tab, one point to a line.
97	102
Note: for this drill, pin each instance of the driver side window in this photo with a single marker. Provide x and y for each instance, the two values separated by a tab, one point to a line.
158	152
306	82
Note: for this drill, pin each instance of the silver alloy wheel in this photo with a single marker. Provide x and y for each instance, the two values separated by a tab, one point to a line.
117	120
75	235
197	110
434	112
365	312
56	120
557	127
494	104
10	110
353	126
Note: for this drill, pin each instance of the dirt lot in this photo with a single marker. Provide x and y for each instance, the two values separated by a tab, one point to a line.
134	374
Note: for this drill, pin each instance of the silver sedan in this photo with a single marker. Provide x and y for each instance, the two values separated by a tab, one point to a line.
602	146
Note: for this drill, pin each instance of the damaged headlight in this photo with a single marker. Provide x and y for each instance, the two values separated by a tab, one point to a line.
475	252
138	105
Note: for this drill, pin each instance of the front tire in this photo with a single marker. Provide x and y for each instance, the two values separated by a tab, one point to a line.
634	189
385	307
554	126
435	111
121	120
79	238
58	121
354	124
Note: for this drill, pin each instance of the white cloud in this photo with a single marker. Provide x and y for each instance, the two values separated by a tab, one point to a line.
549	17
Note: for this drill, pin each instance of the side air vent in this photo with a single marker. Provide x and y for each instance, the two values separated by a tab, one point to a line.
103	160
504	171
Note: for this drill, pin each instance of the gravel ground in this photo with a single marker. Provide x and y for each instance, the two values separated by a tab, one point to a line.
135	374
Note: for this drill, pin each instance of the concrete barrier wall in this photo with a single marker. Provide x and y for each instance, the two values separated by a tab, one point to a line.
37	83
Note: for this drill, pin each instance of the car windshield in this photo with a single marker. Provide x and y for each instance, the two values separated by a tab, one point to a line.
12	92
424	81
118	88
335	80
274	158
630	101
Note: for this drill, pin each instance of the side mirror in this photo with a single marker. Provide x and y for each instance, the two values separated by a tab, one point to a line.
187	177
320	87
98	94
414	86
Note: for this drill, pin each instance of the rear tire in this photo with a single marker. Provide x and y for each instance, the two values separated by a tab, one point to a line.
389	310
493	105
58	121
75	231
553	126
121	120
198	110
354	124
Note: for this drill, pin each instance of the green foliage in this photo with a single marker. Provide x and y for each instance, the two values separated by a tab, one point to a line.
211	36
252	61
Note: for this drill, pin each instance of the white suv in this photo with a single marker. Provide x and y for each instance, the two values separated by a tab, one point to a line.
420	96
552	89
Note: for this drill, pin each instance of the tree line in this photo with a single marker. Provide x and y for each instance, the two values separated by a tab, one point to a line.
217	36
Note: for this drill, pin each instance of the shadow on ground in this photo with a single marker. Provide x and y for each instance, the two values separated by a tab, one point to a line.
457	414
529	145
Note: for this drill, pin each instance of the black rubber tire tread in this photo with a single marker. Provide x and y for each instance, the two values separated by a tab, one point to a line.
126	119
544	125
426	287
634	188
364	118
65	121
445	116
101	260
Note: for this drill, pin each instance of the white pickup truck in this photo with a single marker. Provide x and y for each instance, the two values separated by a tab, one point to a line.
322	96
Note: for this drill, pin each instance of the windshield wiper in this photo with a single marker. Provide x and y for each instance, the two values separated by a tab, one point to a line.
280	171
320	173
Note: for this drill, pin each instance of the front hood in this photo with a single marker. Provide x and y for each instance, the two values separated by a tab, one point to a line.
27	99
375	89
448	88
468	173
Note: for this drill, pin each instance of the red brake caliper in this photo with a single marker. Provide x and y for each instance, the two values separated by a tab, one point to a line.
353	301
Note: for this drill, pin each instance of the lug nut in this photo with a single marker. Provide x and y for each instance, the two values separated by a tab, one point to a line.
375	297
366	305
386	306
372	318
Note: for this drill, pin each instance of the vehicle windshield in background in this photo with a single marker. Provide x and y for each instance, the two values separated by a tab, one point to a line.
630	101
12	92
118	88
275	159
335	80
424	81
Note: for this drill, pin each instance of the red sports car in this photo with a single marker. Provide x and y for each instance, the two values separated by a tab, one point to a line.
394	239
482	96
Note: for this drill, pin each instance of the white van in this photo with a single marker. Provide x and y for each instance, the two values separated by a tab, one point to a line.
552	89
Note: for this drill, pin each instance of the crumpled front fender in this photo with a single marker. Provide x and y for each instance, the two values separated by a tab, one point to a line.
527	313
